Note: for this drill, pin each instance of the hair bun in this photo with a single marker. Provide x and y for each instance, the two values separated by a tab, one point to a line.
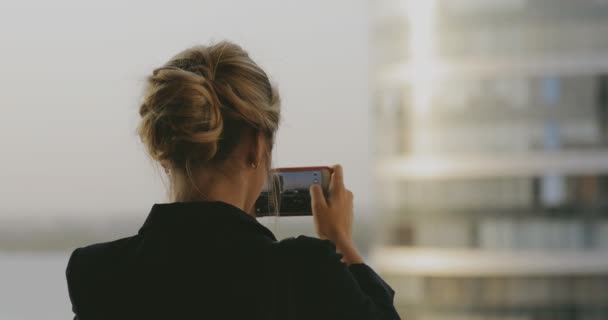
197	104
180	110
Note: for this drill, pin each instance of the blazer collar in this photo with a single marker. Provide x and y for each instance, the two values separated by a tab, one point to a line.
201	214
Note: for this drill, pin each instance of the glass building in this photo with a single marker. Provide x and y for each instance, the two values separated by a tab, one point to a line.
492	130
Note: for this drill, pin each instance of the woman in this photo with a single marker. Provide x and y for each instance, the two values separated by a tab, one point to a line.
209	117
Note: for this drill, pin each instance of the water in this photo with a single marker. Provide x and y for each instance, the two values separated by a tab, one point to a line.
33	286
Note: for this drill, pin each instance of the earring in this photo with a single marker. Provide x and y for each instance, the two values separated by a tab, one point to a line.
253	165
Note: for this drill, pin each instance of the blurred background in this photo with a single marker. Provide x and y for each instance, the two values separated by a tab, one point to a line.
474	134
491	137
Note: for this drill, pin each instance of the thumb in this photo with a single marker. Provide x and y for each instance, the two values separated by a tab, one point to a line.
317	198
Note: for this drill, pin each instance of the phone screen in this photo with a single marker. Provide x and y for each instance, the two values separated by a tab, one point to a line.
292	187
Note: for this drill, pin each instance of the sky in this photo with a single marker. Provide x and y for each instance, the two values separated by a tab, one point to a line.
72	74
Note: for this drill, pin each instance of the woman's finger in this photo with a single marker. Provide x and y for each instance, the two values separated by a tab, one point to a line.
317	198
337	178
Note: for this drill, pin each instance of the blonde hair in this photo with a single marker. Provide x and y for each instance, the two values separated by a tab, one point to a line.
197	105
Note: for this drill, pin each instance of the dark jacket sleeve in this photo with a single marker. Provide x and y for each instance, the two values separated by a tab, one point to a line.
350	292
374	286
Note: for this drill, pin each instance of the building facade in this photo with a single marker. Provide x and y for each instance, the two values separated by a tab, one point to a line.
492	143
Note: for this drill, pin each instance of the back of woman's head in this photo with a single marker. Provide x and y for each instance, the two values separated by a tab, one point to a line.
197	106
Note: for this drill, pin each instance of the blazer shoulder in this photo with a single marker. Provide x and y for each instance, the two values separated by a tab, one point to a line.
88	269
305	242
107	248
98	256
305	248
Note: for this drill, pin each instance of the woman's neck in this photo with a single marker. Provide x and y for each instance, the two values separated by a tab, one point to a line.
215	187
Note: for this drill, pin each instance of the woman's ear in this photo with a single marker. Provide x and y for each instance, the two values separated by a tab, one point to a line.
257	150
261	146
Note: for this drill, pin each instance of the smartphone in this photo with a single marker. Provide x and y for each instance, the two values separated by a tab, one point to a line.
291	187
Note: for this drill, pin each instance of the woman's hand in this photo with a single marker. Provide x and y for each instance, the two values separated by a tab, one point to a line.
333	216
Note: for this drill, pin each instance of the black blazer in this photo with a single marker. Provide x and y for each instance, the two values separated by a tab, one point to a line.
211	260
